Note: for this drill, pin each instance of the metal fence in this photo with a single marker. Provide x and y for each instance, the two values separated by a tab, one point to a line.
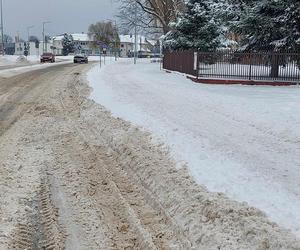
228	64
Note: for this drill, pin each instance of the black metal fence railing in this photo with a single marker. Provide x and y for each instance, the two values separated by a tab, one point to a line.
236	65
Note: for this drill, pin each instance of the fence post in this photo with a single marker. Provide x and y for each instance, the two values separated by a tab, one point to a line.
198	54
274	65
250	68
195	62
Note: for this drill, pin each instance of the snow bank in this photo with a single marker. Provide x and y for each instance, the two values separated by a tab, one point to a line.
240	140
91	58
11	60
207	220
18	65
20	70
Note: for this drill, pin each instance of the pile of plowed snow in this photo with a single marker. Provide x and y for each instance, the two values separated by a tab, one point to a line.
9	60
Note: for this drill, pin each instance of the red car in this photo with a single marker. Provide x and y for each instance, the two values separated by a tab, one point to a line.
48	57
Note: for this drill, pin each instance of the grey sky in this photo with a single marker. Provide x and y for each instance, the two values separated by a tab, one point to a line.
66	15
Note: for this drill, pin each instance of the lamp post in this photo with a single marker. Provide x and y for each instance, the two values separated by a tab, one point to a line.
44	23
2	32
28	37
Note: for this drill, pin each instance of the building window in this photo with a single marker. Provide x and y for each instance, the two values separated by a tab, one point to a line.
122	45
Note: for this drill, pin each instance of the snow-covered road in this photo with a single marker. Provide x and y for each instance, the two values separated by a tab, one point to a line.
241	140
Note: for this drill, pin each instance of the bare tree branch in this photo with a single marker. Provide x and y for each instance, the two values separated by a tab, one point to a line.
152	14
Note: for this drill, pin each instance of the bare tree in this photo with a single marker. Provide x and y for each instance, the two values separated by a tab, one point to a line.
7	39
131	14
153	14
104	32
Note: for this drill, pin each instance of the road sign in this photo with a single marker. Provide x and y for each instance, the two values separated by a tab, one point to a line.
102	44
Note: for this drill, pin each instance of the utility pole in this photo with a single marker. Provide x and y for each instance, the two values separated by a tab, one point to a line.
111	2
2	28
135	34
44	36
116	43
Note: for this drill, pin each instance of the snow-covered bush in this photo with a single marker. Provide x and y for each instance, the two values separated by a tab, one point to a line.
68	44
269	25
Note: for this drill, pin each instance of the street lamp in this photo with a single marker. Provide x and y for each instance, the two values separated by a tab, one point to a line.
28	35
2	32
44	23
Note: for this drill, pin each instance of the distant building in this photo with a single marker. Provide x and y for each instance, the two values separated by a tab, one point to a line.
145	46
34	48
86	45
83	44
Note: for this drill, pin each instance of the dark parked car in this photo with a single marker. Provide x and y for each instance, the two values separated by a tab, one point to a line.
48	57
81	59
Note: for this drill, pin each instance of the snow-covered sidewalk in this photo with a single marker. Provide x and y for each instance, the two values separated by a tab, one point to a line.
240	140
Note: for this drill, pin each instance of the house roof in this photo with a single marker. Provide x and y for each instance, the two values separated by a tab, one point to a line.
152	42
130	39
81	37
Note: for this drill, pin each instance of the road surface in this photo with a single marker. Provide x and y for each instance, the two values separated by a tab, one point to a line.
74	177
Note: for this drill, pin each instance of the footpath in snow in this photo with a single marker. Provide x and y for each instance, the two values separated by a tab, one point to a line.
240	140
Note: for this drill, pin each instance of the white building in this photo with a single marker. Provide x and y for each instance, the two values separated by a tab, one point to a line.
20	47
86	45
127	45
83	44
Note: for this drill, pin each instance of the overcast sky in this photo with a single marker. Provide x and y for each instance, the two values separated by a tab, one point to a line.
65	15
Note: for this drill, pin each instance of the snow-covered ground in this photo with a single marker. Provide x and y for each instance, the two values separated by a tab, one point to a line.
13	65
8	60
20	70
91	58
240	140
